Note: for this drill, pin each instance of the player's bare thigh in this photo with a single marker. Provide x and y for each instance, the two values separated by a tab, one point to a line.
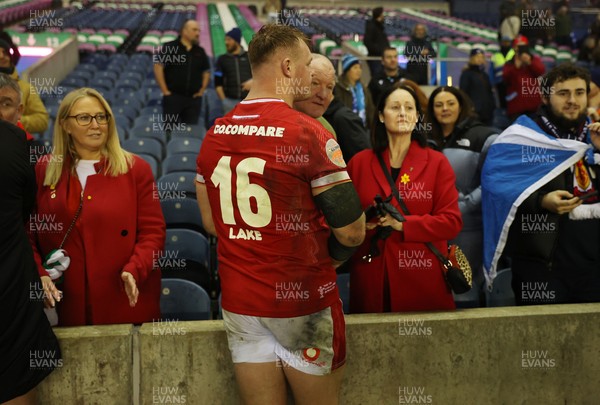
261	383
309	389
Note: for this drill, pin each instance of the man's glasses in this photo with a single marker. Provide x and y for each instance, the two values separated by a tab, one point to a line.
86	119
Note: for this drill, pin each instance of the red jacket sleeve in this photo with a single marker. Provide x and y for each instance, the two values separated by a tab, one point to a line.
445	221
151	228
537	67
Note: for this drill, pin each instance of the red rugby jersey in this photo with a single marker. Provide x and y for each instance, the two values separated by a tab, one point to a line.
260	163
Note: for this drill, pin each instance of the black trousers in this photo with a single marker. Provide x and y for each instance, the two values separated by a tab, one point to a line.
534	284
181	109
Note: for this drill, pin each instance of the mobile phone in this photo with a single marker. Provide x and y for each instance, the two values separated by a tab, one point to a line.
588	195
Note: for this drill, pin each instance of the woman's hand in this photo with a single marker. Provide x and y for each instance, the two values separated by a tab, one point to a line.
130	288
51	294
388	220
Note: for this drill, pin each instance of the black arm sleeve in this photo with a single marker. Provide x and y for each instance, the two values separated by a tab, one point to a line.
340	205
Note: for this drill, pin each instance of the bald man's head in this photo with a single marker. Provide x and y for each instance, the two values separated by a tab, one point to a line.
190	31
323	82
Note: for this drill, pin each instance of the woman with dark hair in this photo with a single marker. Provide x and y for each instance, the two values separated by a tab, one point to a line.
464	140
394	270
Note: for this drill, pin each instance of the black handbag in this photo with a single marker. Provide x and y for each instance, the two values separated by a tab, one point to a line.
455	266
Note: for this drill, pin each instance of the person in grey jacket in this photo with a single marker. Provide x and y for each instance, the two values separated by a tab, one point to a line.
455	130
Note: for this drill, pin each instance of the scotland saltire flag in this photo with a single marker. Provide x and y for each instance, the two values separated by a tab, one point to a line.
521	160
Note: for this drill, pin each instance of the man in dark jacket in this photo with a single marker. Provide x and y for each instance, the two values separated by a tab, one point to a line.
419	51
375	39
391	74
233	76
554	238
351	134
182	72
475	82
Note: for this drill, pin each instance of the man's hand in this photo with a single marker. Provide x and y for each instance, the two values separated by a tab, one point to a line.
525	58
199	93
130	288
560	202
166	93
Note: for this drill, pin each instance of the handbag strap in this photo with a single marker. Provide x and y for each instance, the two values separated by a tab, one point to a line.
73	221
443	259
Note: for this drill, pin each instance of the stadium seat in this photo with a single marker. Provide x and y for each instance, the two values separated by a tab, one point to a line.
186	256
152	162
183	145
144	145
177	184
126	111
148	131
180	162
183	213
189	245
122	132
151	110
122	121
183	300
197	131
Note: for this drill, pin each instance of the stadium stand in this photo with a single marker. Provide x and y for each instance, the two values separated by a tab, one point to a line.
184	300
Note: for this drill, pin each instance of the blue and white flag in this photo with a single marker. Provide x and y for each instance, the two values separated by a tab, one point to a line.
521	160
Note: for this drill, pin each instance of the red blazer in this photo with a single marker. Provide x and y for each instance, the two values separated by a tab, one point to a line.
406	266
120	228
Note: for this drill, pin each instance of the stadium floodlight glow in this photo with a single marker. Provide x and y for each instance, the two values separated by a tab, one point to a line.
35	50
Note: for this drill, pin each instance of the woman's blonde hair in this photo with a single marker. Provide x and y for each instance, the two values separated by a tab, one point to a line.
118	161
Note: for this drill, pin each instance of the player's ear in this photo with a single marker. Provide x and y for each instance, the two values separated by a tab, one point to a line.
286	67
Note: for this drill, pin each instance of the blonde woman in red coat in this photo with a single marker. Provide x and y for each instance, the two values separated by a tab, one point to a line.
403	274
119	231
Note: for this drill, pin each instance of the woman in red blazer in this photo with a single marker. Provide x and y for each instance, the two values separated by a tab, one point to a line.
120	230
405	275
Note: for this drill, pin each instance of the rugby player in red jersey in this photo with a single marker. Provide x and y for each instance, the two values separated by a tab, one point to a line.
267	175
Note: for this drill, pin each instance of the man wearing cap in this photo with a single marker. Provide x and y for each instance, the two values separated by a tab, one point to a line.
375	39
233	76
475	82
520	75
352	93
34	117
182	72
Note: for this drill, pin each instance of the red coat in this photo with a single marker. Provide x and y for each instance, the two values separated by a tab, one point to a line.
414	273
523	92
120	228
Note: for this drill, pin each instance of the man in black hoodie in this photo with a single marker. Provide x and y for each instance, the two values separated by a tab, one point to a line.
376	39
475	82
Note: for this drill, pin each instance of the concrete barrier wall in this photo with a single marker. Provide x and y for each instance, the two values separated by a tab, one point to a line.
96	368
512	355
